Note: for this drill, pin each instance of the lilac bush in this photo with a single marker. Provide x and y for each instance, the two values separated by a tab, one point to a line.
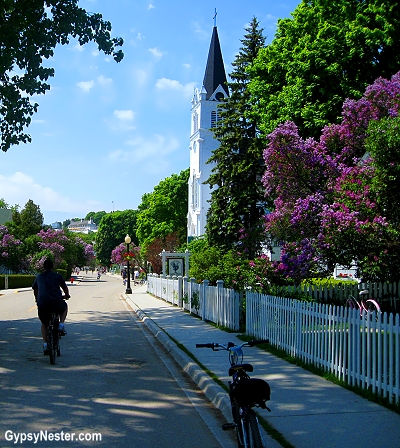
326	211
10	255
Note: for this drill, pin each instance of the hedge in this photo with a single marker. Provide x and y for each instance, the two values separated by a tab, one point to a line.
17	281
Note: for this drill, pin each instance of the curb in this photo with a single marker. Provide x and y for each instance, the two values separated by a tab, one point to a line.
214	393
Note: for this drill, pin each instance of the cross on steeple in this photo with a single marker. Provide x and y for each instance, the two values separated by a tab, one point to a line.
215	17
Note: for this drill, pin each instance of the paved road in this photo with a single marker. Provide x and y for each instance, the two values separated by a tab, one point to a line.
113	378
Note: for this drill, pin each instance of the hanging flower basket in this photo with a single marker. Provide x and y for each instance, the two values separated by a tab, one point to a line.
129	256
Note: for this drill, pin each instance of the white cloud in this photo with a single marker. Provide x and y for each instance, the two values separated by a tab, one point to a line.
19	188
151	6
124	115
140	77
156	52
102	80
141	150
95	53
79	47
173	85
186	65
139	36
198	29
85	85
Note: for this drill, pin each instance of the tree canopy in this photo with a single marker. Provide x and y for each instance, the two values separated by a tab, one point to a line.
112	231
336	197
29	32
237	203
328	51
164	211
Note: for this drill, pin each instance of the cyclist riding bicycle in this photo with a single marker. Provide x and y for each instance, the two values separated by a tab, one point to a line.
48	296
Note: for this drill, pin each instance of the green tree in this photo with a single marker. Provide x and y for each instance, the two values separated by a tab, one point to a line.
383	144
238	202
112	231
29	32
164	211
96	216
328	51
27	222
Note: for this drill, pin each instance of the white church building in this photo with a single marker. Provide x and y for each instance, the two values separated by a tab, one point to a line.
202	142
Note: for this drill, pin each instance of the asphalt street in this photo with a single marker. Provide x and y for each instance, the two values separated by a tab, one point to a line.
113	381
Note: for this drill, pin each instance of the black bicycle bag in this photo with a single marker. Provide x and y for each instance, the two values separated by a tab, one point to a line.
252	392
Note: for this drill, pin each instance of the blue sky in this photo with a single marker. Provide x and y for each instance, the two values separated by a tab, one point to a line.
107	133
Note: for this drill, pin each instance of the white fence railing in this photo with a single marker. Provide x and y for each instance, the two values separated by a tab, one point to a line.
213	303
360	350
387	294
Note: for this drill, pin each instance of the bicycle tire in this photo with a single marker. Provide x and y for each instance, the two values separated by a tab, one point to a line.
254	439
50	346
238	421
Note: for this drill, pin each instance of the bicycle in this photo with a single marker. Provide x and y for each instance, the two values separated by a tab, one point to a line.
369	305
245	393
53	336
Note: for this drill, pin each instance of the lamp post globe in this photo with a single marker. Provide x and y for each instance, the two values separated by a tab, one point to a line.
128	286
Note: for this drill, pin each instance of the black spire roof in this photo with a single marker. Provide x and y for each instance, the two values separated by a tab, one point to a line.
215	70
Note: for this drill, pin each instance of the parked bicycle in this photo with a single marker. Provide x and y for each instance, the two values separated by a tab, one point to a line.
364	304
54	336
245	393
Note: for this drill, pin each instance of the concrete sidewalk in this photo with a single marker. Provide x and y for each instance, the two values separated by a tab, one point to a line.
309	411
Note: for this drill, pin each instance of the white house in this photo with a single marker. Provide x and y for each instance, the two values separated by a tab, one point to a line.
83	226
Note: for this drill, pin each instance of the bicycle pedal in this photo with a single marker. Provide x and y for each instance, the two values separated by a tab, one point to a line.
228	426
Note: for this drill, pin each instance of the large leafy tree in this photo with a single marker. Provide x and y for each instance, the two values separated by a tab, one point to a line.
328	51
10	250
336	198
164	211
26	222
112	231
96	216
237	201
29	32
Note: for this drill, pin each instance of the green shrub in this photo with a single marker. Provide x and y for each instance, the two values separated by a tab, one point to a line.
17	281
63	272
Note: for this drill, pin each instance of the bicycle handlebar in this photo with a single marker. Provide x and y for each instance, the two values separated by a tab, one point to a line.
229	345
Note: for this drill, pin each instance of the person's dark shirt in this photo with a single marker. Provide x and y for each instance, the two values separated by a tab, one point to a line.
48	284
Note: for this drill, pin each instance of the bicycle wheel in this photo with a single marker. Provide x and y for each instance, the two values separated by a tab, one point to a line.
373	306
239	423
51	345
253	435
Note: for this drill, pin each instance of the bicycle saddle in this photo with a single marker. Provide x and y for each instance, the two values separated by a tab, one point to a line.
236	367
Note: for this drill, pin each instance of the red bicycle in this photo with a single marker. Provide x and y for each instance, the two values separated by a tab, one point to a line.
364	305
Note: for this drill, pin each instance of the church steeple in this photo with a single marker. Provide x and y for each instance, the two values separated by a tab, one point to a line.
215	70
205	117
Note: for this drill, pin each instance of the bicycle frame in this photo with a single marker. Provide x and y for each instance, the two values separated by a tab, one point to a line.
245	393
363	305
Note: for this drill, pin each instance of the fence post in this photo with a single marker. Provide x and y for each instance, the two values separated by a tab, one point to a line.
192	282
204	298
180	294
6	282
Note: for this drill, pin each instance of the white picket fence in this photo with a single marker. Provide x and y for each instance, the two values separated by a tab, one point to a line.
212	303
360	350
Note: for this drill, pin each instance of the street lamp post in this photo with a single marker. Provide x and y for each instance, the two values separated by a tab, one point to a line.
128	287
